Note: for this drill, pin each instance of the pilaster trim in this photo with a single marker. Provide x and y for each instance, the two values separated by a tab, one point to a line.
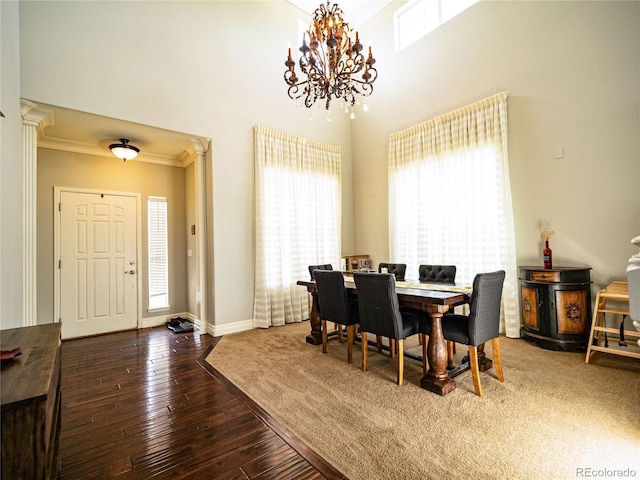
197	149
34	121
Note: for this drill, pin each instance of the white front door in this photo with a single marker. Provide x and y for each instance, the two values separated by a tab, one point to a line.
98	264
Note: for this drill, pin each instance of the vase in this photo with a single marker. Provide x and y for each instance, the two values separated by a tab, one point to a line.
547	256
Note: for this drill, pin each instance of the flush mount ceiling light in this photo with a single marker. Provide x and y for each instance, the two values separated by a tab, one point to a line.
332	63
123	150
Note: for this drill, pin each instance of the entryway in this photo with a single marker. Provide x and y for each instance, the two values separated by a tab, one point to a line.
98	261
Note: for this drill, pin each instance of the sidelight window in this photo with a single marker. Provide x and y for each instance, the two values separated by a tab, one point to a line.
158	257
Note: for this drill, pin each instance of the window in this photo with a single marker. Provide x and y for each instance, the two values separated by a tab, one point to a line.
296	221
298	206
158	257
418	17
450	198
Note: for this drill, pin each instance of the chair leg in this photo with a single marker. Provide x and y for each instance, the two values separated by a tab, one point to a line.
497	359
339	328
363	336
379	343
425	360
324	336
350	336
475	369
451	348
392	348
400	344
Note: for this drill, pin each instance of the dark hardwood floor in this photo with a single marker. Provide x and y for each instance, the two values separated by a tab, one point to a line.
143	403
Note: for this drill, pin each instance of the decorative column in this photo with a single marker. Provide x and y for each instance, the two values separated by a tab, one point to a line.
34	120
198	149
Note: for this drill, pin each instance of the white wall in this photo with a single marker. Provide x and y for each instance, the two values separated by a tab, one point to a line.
573	73
211	68
10	170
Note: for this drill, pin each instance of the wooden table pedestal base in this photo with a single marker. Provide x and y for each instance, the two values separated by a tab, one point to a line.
441	387
484	362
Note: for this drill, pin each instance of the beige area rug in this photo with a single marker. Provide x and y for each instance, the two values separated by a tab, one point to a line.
554	417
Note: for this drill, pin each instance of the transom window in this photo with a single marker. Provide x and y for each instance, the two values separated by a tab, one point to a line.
416	18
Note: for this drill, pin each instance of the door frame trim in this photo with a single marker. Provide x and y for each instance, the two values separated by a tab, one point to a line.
57	191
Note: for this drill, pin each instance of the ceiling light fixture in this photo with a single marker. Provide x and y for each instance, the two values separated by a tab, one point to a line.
332	62
123	150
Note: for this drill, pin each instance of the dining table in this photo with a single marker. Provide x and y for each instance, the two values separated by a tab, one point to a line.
434	299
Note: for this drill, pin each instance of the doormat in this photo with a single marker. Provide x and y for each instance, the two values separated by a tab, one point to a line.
179	325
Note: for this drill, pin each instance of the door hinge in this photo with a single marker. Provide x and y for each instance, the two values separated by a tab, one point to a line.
59	264
59	206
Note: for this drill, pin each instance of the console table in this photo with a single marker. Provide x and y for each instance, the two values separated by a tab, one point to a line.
556	306
30	393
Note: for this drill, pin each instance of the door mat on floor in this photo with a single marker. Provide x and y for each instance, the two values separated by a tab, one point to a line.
179	325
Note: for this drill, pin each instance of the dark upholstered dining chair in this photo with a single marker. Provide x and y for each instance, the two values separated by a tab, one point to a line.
481	325
326	266
336	306
437	273
397	269
381	315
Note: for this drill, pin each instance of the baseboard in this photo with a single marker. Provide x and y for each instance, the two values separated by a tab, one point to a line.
213	330
162	319
227	328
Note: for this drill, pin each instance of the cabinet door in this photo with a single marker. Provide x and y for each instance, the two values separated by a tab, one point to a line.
530	302
572	312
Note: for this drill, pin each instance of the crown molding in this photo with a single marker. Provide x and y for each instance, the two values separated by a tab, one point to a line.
91	149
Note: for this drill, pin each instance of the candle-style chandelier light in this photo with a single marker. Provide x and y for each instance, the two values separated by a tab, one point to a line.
332	63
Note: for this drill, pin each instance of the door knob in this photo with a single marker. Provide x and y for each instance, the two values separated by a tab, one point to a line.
130	272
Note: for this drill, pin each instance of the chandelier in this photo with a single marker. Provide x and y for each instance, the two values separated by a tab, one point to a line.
331	62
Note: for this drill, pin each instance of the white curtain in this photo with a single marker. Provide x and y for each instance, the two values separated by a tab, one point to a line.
450	198
298	208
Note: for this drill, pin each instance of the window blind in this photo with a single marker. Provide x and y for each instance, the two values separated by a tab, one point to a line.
158	261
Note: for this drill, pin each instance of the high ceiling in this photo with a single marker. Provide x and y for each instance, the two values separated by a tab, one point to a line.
356	12
92	134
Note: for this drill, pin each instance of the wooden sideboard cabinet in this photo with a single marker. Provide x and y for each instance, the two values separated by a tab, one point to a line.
556	306
30	392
